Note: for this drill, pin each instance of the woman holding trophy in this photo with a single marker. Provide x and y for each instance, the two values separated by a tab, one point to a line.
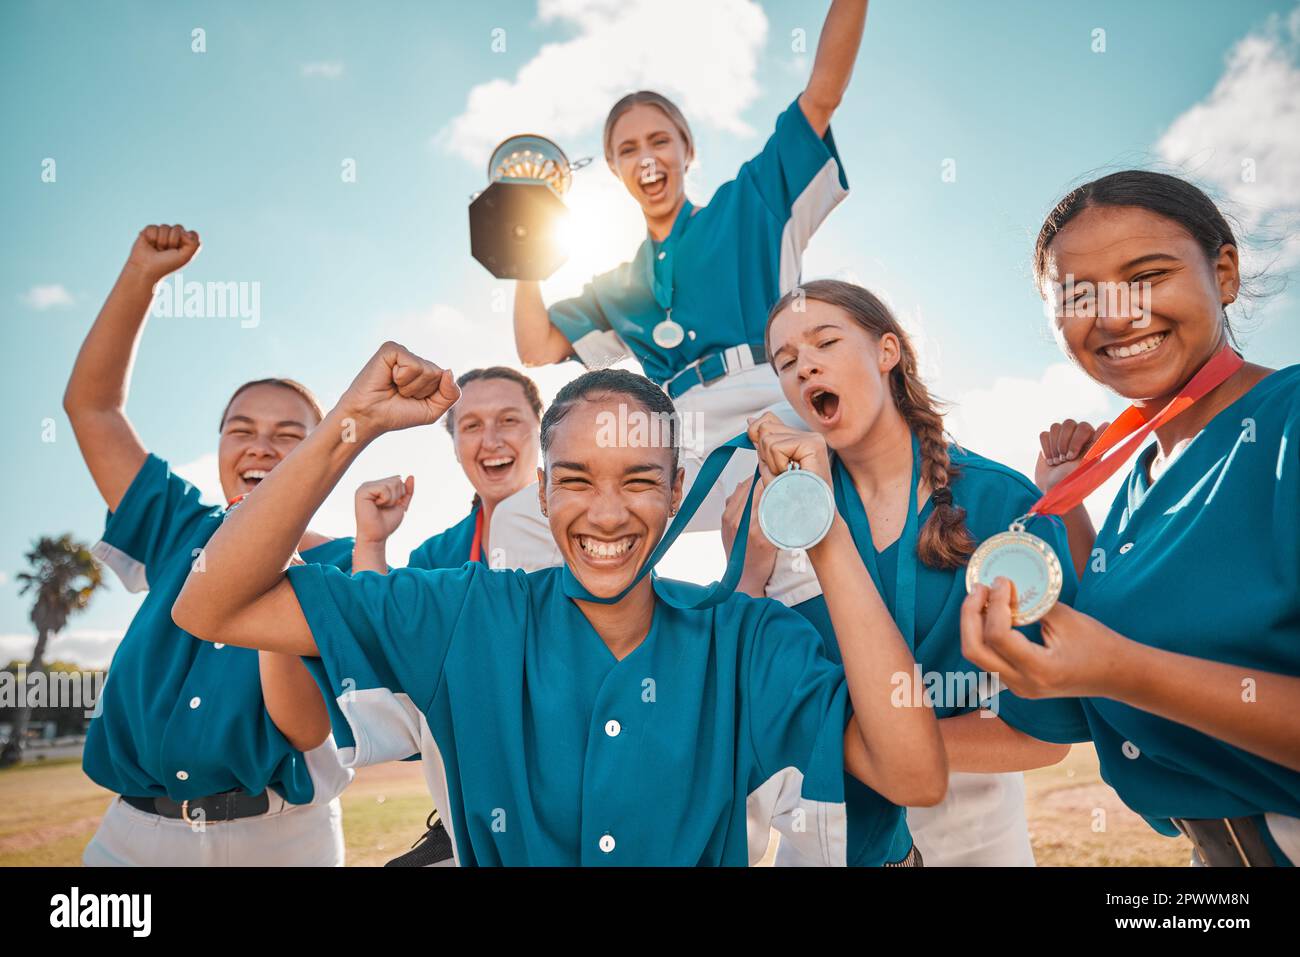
1185	677
691	304
915	504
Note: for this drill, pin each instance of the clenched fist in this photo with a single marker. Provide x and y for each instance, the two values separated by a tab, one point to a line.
398	390
380	506
1063	445
161	250
778	445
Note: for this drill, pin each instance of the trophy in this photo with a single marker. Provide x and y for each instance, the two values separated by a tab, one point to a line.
513	223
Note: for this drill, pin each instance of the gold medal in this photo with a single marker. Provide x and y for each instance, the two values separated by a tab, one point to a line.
1028	562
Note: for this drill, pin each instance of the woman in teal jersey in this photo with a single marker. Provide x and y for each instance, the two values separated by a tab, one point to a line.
692	303
915	503
1180	659
207	771
590	713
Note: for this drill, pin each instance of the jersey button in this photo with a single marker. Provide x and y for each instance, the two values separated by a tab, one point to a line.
663	256
195	702
182	775
612	728
218	644
607	843
1130	750
1126	548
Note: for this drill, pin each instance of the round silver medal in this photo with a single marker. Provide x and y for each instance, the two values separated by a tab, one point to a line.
797	509
1030	565
668	334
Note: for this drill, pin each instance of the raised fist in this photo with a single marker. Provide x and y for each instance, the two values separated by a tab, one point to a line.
398	390
1063	445
160	250
381	505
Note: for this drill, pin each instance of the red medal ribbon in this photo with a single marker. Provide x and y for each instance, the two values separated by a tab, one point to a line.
1093	470
476	546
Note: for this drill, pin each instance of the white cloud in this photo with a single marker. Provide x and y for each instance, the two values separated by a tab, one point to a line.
1243	139
202	473
47	297
1003	421
329	69
702	55
89	648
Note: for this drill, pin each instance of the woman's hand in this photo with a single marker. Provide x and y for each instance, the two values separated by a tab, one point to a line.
396	390
161	250
779	445
380	506
1063	444
1075	659
760	554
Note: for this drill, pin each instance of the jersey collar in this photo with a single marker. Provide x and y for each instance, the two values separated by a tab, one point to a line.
679	226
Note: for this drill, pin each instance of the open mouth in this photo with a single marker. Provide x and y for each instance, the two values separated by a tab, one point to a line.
1132	350
253	477
606	553
498	466
825	405
654	183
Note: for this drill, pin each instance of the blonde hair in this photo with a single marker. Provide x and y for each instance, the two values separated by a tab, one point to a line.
647	98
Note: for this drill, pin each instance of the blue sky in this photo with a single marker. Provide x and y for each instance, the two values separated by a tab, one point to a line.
246	142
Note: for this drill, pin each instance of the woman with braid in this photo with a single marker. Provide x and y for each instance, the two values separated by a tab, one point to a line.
917	506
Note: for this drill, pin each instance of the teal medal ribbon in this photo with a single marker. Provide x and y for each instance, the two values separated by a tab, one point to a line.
849	505
668	333
707	477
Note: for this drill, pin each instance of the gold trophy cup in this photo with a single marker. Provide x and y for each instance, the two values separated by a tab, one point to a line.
514	223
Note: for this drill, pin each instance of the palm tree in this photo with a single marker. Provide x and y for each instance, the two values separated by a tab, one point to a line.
63	575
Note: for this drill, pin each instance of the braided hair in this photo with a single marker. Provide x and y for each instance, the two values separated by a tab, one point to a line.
944	540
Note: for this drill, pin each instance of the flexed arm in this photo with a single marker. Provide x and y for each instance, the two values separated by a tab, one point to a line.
95	399
897	750
242	597
837	49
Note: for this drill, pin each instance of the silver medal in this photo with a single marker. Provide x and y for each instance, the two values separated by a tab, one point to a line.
668	334
797	509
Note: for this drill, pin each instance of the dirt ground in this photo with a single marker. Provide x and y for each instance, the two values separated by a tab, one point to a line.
49	811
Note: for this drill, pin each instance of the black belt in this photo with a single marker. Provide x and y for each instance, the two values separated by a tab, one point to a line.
709	369
1227	841
215	807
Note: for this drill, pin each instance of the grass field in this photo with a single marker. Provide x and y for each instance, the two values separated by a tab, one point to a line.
48	812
